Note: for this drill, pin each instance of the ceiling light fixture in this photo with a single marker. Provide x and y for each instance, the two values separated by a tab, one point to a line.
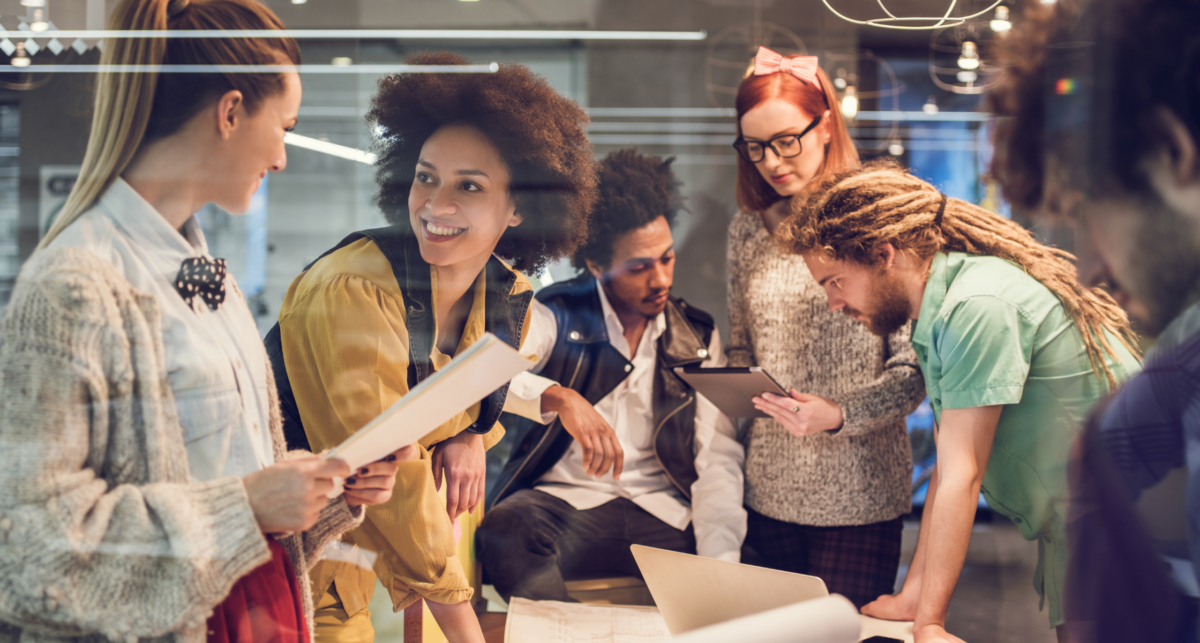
19	58
970	56
966	76
325	147
37	20
896	148
930	107
850	102
341	61
395	34
1001	23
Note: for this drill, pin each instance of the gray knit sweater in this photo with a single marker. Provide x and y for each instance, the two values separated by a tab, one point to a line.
103	533
779	319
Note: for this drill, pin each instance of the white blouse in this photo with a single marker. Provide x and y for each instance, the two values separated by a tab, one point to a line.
215	359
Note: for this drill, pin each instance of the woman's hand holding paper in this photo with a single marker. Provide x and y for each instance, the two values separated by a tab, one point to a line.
288	496
372	484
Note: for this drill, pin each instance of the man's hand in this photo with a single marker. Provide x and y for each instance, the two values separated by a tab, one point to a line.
464	461
372	484
601	448
288	496
898	607
934	634
801	414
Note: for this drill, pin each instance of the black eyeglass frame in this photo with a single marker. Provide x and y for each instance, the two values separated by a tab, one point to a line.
739	144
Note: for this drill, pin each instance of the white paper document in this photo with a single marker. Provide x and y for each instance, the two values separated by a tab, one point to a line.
555	622
832	619
472	375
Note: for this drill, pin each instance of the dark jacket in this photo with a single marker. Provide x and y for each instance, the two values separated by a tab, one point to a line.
504	317
584	360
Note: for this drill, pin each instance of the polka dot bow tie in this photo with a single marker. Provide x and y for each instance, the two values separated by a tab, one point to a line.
204	278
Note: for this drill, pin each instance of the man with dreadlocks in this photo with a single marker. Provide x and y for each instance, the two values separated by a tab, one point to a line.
1013	350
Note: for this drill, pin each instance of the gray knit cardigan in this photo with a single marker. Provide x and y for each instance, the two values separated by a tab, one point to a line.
103	533
779	319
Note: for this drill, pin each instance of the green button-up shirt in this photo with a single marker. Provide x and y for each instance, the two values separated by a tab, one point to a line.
990	334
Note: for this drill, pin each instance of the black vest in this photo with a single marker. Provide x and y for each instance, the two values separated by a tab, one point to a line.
505	316
584	360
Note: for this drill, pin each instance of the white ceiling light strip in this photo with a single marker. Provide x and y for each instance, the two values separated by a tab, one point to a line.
333	149
258	69
389	34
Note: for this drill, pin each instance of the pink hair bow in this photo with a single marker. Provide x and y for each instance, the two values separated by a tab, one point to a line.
802	67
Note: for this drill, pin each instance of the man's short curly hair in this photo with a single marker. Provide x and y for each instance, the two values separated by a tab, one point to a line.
635	189
1080	80
538	133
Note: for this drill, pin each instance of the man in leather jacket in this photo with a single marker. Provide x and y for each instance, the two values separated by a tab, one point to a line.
627	452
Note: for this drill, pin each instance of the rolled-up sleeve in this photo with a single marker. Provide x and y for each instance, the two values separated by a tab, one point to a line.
525	390
985	347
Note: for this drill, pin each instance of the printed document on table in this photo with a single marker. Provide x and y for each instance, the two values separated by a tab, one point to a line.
472	375
555	622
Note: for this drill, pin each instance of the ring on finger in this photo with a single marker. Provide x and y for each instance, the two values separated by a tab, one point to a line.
795	409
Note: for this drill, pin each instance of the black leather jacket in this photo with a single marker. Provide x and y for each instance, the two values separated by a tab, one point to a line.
584	360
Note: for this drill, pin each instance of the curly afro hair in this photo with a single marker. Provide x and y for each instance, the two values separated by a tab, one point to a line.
538	133
634	190
1079	80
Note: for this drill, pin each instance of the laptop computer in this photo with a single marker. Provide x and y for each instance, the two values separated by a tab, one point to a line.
693	592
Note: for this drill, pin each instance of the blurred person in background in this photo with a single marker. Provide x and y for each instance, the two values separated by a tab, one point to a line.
1099	127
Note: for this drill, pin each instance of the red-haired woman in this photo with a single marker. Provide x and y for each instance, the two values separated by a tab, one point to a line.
828	474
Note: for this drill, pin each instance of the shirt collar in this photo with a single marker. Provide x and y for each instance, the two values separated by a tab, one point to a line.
656	326
148	228
931	302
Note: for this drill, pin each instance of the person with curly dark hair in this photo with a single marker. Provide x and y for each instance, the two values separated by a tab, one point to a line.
473	166
627	453
1100	127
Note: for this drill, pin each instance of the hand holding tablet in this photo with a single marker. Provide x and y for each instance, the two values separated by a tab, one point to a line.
732	388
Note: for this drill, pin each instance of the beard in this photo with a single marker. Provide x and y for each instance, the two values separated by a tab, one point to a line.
1167	271
888	307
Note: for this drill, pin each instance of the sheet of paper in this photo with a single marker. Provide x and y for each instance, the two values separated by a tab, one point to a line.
555	622
474	374
899	630
832	619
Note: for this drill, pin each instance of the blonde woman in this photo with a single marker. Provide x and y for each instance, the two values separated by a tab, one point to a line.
144	490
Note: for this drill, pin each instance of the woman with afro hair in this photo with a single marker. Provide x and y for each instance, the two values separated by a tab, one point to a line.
474	168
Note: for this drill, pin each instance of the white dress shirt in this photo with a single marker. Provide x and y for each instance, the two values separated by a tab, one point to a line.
716	508
215	359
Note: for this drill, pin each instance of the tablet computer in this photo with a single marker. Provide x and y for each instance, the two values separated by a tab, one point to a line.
731	387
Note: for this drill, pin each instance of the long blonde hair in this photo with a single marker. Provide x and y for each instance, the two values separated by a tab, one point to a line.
852	213
136	107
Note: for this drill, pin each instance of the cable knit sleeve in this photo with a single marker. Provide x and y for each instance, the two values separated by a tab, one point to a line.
895	393
101	529
740	351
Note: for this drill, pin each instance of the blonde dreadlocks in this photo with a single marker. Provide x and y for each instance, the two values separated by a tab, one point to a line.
849	214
